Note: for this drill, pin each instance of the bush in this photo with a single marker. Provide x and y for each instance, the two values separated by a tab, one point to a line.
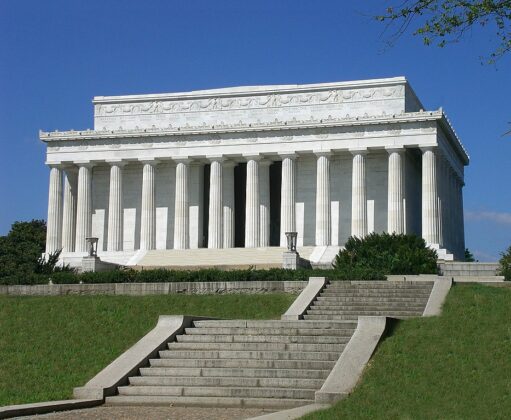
388	254
204	275
505	264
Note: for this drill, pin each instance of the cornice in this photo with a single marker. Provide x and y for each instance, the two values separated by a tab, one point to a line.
275	125
453	138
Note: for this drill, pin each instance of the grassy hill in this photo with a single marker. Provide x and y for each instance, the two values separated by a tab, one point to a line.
48	345
456	366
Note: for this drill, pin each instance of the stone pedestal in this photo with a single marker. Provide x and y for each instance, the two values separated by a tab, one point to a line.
92	264
291	260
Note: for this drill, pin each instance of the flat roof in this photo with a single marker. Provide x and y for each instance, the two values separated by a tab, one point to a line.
254	90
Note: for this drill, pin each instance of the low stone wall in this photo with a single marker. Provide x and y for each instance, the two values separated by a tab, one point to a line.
141	289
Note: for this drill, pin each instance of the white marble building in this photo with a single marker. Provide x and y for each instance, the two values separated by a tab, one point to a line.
239	167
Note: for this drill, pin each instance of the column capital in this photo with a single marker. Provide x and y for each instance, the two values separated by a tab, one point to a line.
216	158
288	155
118	162
149	161
57	165
252	156
320	153
358	151
182	159
84	163
265	162
432	148
395	149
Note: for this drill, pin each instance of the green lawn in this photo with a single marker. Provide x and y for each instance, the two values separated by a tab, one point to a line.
456	366
48	345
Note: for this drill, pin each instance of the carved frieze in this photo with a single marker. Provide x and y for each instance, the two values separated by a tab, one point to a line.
274	100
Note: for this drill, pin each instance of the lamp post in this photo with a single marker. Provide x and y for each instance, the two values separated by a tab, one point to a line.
92	246
291	241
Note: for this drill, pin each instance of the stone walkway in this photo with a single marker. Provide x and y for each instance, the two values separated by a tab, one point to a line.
153	413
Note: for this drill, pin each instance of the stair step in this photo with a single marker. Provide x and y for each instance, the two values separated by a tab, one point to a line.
226	381
362	308
348	331
380	285
303	339
362	304
243	363
372	293
346	299
227	402
355	315
202	391
271	324
232	372
266	355
295	347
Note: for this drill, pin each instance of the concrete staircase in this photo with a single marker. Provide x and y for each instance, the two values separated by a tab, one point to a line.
345	300
267	364
473	271
219	258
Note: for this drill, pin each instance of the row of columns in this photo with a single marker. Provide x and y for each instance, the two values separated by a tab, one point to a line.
442	208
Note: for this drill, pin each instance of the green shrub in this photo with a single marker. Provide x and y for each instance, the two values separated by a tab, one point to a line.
505	264
49	264
388	254
204	275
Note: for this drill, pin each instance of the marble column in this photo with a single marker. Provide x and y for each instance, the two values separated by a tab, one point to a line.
323	218
182	206
228	203
287	197
430	223
148	208
264	203
54	223
460	222
395	210
359	195
455	216
115	209
69	210
440	191
252	204
83	207
215	227
196	208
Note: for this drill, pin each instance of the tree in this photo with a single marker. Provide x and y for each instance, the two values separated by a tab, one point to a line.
21	248
505	264
469	257
446	21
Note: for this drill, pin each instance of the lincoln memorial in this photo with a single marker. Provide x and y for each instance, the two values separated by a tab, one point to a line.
239	167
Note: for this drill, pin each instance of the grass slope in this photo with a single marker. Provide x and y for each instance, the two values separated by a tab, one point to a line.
456	366
48	345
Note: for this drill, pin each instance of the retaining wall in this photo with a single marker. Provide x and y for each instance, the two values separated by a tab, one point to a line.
141	289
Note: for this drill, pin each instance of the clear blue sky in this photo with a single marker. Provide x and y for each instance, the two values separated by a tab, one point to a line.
56	55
